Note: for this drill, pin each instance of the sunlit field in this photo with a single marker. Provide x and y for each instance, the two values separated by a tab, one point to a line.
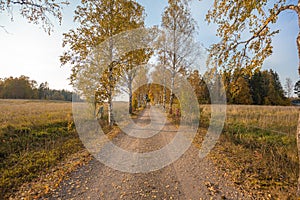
34	137
257	148
25	113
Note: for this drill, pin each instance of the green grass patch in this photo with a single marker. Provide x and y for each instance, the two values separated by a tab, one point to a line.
28	152
34	137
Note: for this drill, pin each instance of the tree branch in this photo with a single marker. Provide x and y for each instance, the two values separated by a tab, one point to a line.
3	27
29	3
265	25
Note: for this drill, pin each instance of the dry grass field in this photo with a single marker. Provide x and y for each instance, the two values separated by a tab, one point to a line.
34	137
257	148
24	113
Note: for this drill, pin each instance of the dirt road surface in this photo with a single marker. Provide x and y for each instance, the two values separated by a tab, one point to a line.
189	177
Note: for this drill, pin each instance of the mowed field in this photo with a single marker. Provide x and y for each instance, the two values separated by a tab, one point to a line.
257	148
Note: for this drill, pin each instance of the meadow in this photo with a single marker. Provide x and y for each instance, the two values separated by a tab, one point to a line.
34	137
257	148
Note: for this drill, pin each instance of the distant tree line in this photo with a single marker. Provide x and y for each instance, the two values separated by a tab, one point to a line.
24	88
262	88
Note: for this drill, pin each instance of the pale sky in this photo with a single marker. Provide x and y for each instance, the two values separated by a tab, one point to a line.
28	50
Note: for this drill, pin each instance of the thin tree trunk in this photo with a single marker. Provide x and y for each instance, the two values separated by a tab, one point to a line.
174	68
298	146
110	114
110	87
164	92
164	81
110	111
95	108
130	96
139	101
171	93
110	105
298	127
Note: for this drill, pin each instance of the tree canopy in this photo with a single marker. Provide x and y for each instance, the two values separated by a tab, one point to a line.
94	67
245	31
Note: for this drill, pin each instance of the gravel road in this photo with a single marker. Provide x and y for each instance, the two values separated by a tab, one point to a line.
189	177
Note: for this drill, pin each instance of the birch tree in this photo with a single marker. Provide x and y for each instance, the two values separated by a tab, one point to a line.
131	70
161	75
99	21
140	85
179	28
288	87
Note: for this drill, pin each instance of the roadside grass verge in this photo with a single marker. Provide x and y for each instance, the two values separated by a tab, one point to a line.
34	137
27	155
264	164
257	148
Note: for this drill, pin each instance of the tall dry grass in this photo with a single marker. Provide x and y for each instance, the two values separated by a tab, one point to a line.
258	148
24	113
34	137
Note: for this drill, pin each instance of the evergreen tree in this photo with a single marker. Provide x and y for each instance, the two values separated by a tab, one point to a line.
199	86
240	92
